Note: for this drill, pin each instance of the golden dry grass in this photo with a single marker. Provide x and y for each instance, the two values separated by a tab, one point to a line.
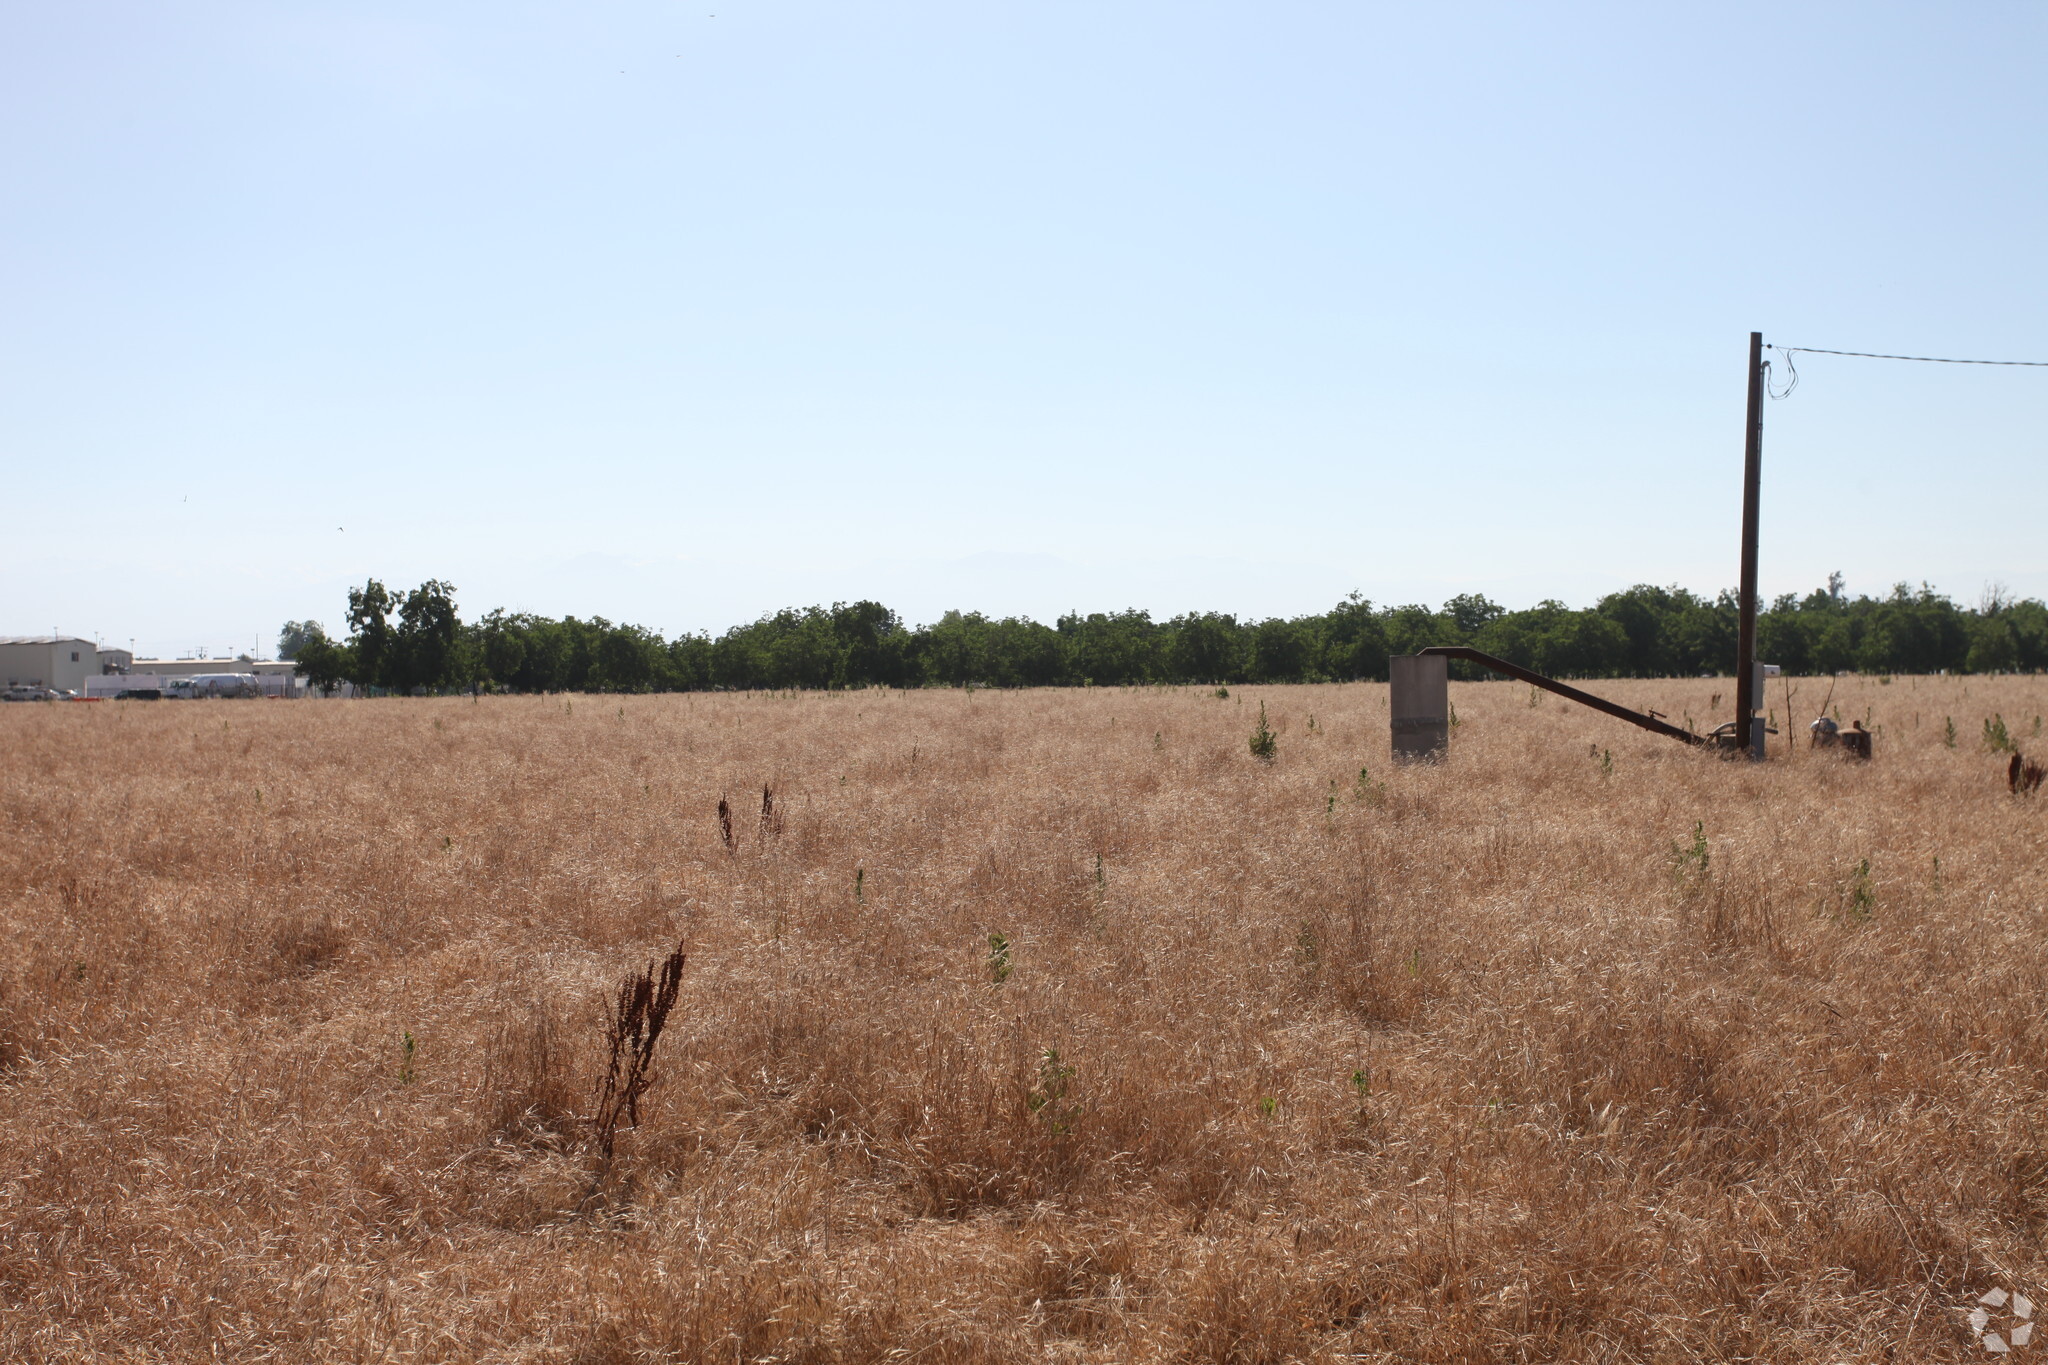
1467	1064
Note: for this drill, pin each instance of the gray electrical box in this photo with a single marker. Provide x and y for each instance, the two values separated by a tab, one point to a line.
1756	720
1421	705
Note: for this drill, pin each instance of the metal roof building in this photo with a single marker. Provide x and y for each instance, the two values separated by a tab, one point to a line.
60	661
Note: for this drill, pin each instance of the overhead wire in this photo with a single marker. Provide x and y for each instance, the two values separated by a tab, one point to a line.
1792	370
1926	359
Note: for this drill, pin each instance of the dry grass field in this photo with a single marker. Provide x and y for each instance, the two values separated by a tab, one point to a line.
301	1023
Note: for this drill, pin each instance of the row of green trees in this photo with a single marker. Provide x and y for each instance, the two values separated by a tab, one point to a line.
414	641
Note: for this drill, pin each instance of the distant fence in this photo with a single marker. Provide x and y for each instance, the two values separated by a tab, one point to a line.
223	684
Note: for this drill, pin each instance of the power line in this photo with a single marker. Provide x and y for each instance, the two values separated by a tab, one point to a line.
1927	359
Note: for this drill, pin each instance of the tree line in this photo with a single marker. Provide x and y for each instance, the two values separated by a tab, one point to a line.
414	641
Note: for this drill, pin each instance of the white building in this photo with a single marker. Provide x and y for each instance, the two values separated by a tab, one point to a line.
60	661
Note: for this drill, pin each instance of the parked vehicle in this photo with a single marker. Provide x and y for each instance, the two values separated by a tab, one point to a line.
216	685
31	694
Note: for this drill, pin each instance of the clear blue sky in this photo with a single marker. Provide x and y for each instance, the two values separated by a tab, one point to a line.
677	314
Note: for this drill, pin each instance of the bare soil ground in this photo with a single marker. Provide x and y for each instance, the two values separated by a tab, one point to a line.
1580	1046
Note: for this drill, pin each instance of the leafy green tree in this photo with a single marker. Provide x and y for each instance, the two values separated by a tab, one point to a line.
1580	644
871	645
738	659
1111	649
804	650
1415	627
501	650
1282	651
1701	635
1927	632
296	635
688	668
1834	645
2028	622
326	664
1472	613
1353	641
627	659
552	654
1649	618
371	635
426	651
1027	654
1784	636
1207	648
1993	646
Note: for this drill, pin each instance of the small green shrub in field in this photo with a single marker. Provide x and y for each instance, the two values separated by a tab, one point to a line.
1862	897
1367	792
1689	861
1995	737
1048	1097
1264	743
1856	900
998	961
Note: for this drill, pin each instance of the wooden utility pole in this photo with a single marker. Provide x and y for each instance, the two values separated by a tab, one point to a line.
1749	730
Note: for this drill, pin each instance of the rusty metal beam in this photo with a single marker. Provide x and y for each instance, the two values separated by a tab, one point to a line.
1569	693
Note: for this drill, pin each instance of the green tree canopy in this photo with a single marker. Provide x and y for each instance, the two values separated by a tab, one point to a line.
415	640
296	635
